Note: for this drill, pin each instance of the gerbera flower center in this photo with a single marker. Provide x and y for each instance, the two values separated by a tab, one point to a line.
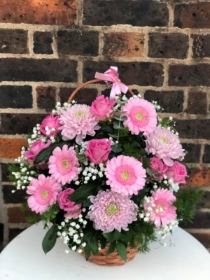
112	209
160	208
139	116
125	174
65	163
44	193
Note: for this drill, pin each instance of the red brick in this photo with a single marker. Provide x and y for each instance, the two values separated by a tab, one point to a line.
10	148
124	44
199	177
197	102
38	12
160	45
189	75
45	97
17	215
201	45
191	15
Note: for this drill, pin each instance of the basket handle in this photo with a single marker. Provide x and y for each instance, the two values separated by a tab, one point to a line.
85	84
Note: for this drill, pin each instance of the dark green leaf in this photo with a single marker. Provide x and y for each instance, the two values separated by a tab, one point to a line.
121	249
123	118
117	148
107	129
112	236
113	136
117	235
81	158
82	193
109	236
91	238
46	153
111	247
49	239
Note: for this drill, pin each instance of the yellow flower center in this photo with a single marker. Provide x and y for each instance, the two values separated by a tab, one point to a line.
79	114
125	175
139	116
65	164
44	194
164	140
160	208
111	209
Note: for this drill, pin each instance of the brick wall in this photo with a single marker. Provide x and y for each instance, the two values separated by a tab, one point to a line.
49	47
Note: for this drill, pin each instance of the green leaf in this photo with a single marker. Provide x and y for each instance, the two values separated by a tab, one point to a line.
116	148
49	239
107	129
46	153
109	236
82	193
122	118
112	236
111	248
91	238
121	249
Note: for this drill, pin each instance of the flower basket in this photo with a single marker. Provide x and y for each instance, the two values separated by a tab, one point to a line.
105	178
113	258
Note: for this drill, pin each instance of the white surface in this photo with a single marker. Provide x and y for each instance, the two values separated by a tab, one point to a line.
184	258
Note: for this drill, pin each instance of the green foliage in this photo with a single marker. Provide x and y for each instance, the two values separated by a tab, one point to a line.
13	168
51	214
186	200
112	247
91	237
46	153
112	236
121	249
82	193
50	239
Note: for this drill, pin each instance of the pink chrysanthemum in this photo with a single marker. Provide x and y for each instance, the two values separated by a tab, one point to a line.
63	165
141	116
125	175
159	209
111	210
165	145
78	121
44	192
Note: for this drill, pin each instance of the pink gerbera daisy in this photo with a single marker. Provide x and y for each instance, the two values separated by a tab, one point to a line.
141	116
44	192
78	121
159	209
125	175
165	145
63	165
111	210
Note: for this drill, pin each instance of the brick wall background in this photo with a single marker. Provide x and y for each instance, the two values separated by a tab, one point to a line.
49	47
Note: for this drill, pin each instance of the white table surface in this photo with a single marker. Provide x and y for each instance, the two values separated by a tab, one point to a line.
184	258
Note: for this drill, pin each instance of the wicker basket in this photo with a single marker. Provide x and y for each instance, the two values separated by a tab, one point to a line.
102	258
112	259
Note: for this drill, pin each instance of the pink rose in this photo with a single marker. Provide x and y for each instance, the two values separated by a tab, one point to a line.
177	172
158	167
35	149
98	150
72	209
50	125
102	107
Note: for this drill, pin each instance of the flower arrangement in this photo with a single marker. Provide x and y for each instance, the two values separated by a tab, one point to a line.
105	175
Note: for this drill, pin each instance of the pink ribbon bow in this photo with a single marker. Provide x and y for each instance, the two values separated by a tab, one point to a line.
112	75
